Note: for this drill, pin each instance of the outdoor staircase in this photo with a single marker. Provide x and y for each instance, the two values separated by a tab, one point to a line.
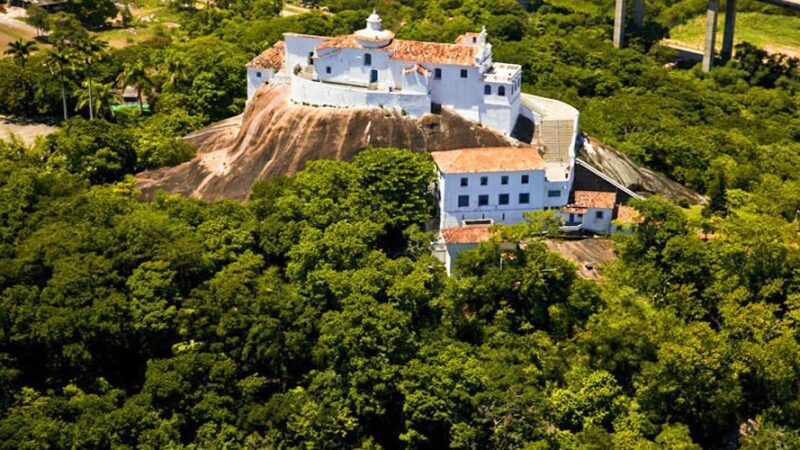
556	136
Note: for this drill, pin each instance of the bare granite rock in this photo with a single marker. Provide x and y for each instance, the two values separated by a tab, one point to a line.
275	137
625	171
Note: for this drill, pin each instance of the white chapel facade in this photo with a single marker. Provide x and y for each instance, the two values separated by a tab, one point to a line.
371	68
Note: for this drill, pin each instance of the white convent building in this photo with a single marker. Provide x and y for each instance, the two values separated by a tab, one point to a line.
372	68
476	187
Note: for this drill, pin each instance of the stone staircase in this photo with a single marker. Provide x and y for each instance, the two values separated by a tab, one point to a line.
556	136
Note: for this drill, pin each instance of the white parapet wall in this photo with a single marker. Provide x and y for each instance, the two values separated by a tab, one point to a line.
316	93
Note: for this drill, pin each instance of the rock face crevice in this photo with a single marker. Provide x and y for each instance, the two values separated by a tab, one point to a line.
277	137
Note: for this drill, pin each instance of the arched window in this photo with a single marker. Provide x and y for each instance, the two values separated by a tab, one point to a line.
367	59
487	90
501	91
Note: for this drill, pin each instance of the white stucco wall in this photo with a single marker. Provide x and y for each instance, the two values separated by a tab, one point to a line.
500	116
562	187
451	215
347	66
257	78
325	94
593	224
532	116
465	96
298	48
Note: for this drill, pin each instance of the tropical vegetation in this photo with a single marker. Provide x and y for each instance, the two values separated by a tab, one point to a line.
314	316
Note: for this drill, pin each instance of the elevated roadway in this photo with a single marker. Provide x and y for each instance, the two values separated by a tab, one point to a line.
620	15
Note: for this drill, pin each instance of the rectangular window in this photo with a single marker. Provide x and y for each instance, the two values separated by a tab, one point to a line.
484	181
463	73
437	74
504	179
464	181
477	221
524	198
327	69
502	199
554	194
525	179
367	59
258	74
483	200
463	201
598	214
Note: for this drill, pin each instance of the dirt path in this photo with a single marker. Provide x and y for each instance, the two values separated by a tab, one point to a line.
27	131
12	19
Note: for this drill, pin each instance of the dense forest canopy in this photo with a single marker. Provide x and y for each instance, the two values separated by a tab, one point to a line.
313	316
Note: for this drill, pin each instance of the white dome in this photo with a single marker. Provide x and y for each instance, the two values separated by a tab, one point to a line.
374	21
374	35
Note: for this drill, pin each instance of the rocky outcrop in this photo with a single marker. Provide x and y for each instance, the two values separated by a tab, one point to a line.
625	171
277	137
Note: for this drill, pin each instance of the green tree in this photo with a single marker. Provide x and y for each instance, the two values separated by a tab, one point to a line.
101	151
135	75
39	18
89	51
92	13
60	63
692	380
102	95
21	50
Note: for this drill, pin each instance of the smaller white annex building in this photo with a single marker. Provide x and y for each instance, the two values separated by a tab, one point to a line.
370	68
496	185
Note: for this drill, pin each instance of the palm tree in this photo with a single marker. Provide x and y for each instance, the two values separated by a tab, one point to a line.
91	50
21	49
135	74
60	63
175	68
101	98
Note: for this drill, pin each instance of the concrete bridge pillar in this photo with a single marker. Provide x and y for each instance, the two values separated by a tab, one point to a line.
727	34
620	14
619	23
711	34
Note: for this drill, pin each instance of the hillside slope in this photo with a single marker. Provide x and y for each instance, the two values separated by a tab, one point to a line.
625	171
277	137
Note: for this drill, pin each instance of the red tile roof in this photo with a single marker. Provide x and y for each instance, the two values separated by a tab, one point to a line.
593	199
471	234
271	58
490	159
434	52
346	41
416	51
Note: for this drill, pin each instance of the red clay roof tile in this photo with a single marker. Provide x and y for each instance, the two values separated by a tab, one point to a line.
271	58
594	199
471	234
416	51
490	159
